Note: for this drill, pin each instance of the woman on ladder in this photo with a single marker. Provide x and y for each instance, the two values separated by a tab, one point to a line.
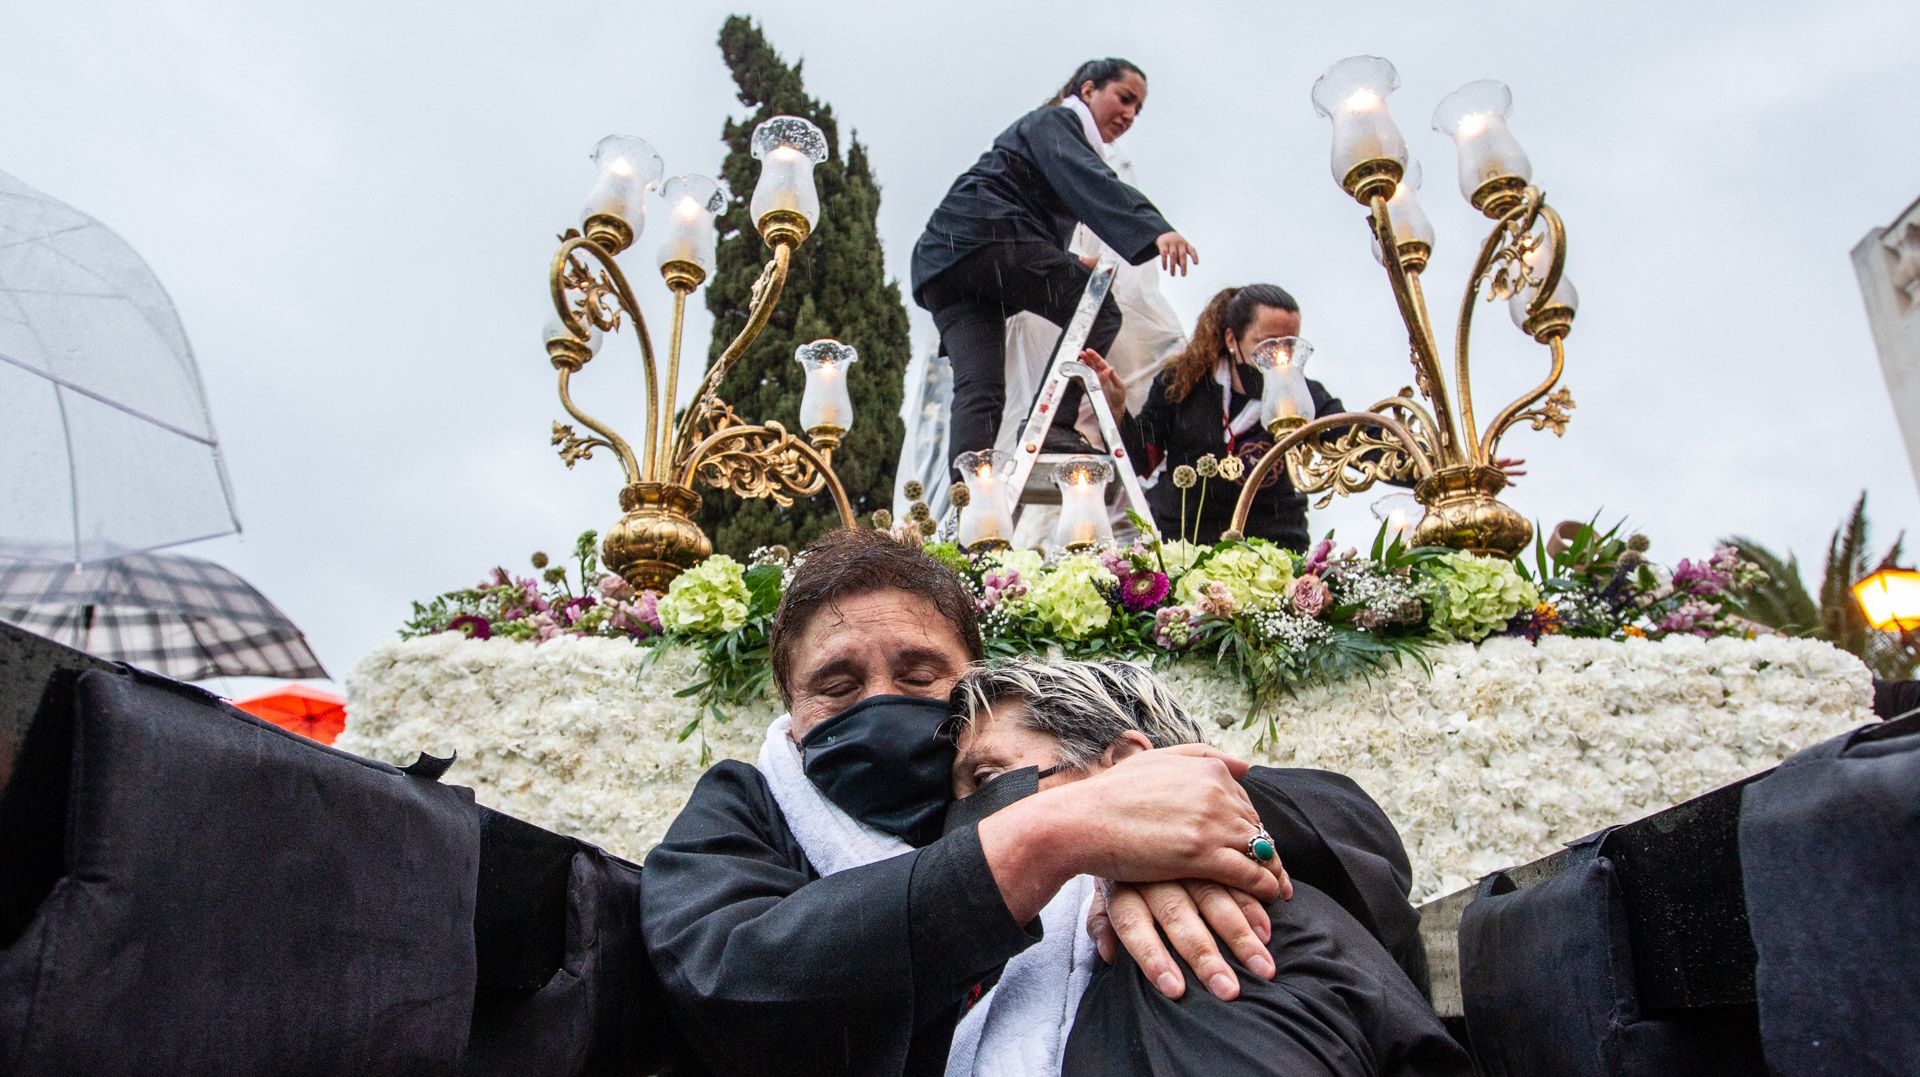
997	244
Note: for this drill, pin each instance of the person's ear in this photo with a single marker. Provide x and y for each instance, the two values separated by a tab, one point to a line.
1086	91
1131	743
1232	345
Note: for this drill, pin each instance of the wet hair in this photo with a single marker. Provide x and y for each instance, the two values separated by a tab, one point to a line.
848	563
1229	311
1099	72
1086	707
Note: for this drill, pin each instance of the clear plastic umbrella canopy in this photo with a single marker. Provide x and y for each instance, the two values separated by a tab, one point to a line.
106	446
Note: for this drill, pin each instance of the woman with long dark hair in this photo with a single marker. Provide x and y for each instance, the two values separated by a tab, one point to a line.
1206	402
997	243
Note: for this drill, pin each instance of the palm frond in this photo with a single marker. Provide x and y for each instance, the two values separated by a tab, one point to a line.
1782	603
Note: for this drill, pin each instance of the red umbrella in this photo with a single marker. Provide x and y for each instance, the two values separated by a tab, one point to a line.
310	712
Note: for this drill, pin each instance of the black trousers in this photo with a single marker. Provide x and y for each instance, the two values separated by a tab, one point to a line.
971	302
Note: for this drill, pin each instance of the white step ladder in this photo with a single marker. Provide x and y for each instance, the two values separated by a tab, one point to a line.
1029	488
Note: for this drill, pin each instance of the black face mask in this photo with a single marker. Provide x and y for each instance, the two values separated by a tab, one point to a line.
884	762
993	794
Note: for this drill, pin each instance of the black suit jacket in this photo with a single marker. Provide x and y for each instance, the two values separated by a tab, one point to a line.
1039	178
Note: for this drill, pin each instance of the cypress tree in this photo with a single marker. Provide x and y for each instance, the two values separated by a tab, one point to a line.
837	288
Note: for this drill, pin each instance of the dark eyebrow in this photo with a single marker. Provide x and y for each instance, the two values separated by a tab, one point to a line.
921	654
837	667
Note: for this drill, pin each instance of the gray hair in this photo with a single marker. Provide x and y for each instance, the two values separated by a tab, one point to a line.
1085	706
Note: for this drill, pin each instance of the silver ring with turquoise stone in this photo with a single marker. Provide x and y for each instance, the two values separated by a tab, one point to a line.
1260	846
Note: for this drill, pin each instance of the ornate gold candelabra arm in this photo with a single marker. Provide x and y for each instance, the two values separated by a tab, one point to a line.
1419	422
567	274
574	448
1503	252
1413	312
765	295
1415	463
763	461
1506	252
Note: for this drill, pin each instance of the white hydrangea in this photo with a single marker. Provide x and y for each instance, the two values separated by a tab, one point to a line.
1505	752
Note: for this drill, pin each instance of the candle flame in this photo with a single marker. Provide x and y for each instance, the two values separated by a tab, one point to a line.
620	166
983	470
1473	124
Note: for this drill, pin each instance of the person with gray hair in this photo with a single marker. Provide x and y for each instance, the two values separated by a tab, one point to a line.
1342	991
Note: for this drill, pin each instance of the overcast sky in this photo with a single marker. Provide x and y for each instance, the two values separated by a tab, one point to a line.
353	205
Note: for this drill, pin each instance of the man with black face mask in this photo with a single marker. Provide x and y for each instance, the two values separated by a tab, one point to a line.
807	916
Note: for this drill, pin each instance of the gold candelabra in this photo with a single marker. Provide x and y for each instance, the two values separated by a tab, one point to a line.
1450	461
656	539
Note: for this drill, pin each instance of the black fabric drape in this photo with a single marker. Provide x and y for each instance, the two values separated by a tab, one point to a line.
1547	979
1828	844
602	1011
1342	1000
772	969
235	899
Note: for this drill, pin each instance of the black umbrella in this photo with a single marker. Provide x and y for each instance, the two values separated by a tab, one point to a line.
181	616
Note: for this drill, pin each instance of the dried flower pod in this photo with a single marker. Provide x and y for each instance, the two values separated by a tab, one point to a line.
779	555
959	497
539	559
1207	466
927	527
882	520
914	490
1638	543
1183	477
556	574
919	511
1231	468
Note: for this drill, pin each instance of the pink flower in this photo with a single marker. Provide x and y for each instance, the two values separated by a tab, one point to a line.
615	588
545	626
1143	591
1173	627
1117	563
575	609
1309	595
1698	578
1216	600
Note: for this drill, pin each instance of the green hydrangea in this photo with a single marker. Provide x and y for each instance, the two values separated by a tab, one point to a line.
1179	555
948	554
1473	596
1069	600
1027	563
711	597
1256	575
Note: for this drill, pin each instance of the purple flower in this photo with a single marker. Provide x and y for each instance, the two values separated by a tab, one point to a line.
1317	560
575	609
545	626
1144	591
1698	578
530	594
1692	616
1309	594
471	626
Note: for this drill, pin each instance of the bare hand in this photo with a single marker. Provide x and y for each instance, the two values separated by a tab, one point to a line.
1111	386
1134	916
1175	253
1512	466
1172	813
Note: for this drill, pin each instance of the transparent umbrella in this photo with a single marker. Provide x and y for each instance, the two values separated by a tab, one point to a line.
106	446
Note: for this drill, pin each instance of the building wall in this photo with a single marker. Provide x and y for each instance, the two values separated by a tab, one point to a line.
1887	261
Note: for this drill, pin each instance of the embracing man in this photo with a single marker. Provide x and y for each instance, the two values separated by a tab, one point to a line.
808	915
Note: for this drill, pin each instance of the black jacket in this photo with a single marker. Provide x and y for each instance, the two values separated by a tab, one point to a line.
1182	432
1039	179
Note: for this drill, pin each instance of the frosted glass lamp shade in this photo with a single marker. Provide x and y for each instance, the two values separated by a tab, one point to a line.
1475	117
692	202
628	168
1409	220
1353	94
787	148
1285	399
1084	519
987	519
825	403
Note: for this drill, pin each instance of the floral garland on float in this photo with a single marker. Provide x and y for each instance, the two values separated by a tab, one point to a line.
1277	621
